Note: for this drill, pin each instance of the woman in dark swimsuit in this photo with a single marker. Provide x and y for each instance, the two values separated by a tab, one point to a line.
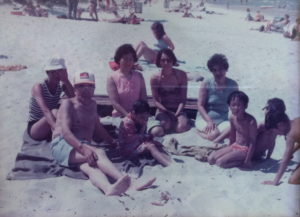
169	90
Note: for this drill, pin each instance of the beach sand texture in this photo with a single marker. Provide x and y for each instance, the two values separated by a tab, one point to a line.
265	65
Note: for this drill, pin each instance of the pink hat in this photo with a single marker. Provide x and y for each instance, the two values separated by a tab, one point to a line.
84	78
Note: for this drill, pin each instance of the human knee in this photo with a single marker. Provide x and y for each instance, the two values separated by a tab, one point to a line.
149	145
157	131
211	160
101	154
294	180
182	127
220	163
54	112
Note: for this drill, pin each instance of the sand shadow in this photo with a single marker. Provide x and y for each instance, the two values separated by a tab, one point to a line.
269	166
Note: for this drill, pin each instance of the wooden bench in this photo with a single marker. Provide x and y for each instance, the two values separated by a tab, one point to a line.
105	107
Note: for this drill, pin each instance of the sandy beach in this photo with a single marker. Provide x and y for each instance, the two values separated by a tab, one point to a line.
265	65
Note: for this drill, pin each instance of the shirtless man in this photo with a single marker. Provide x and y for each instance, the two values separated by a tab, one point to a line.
243	130
77	125
292	145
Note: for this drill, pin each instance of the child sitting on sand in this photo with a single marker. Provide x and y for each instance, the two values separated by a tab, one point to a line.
242	135
249	16
276	123
259	17
133	138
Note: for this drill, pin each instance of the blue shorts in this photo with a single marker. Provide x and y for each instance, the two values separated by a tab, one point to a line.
61	151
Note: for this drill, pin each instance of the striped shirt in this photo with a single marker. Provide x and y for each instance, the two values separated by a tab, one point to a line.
51	100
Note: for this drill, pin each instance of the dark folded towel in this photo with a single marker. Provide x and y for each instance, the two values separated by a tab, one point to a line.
35	161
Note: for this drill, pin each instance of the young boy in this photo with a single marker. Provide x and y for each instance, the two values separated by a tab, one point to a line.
276	123
133	138
242	136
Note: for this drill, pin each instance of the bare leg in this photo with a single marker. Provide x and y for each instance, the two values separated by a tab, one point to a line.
157	131
105	165
183	124
98	179
165	121
295	177
214	156
41	129
163	158
144	50
231	158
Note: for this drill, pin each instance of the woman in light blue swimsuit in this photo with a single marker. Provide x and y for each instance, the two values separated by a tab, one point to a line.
163	42
212	118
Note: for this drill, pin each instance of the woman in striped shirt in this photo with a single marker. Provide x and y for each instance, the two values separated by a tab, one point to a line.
45	98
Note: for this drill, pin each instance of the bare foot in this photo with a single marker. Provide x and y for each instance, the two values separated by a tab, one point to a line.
141	184
120	186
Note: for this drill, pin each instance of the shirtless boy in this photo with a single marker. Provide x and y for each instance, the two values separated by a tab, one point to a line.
242	135
76	126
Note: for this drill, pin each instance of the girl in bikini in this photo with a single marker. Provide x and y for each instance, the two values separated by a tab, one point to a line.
169	90
163	41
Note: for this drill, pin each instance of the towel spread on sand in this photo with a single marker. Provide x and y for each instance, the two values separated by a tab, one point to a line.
200	153
35	161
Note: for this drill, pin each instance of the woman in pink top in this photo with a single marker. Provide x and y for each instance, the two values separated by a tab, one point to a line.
125	86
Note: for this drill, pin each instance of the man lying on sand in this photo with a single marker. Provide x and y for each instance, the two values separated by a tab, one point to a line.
131	19
76	126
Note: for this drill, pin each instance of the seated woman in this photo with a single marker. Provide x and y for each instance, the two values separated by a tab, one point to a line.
212	118
126	85
163	40
45	98
169	90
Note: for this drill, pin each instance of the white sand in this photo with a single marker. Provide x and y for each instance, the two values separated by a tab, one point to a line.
265	66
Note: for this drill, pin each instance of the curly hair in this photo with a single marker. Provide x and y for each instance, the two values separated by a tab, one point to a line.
123	50
219	60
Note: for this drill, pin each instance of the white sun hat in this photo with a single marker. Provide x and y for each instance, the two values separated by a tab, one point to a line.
55	63
83	77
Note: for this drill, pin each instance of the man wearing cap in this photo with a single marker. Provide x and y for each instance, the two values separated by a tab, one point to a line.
45	98
77	125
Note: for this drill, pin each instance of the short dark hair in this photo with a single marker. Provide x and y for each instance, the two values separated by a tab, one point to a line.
238	95
167	52
141	106
123	50
217	59
159	30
